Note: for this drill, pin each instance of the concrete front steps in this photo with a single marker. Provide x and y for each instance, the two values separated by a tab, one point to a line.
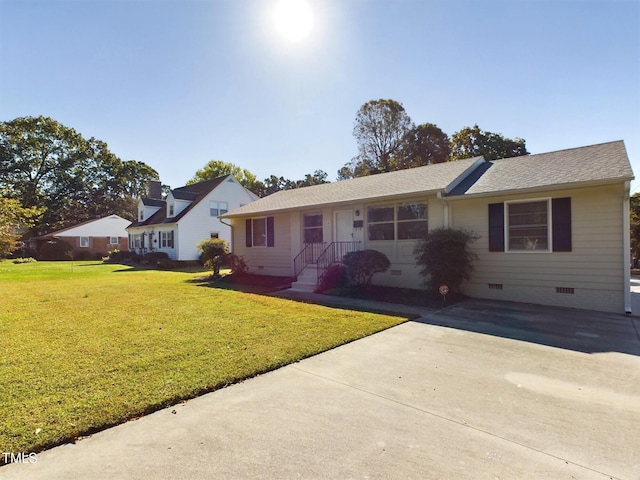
307	279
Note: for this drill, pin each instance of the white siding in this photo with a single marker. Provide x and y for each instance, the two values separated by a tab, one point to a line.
198	224
593	269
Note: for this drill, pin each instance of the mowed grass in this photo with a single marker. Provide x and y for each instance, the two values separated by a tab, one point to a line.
89	345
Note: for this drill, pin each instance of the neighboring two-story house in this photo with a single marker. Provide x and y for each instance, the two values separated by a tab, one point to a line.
188	215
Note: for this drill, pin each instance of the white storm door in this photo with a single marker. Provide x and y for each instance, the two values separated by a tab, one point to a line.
344	226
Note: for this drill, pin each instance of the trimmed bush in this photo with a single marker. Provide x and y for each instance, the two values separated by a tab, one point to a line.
237	264
336	276
154	258
84	255
364	264
123	256
445	259
212	253
55	250
24	260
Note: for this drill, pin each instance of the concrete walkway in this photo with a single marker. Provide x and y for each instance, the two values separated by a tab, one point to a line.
478	390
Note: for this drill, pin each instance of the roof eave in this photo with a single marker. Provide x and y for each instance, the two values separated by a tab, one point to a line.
377	199
559	186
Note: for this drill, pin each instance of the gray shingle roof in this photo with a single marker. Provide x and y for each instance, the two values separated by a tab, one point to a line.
600	163
430	178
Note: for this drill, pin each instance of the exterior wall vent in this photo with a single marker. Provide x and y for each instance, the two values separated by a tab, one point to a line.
568	290
495	286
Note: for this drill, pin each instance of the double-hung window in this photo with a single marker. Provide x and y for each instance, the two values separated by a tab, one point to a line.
166	239
412	220
312	228
528	225
84	242
541	225
381	224
218	208
260	232
113	240
400	221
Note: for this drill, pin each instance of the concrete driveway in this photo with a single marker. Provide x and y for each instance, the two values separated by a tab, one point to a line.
479	390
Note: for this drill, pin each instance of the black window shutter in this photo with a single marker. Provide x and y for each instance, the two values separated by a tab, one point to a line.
561	224
248	236
496	227
270	232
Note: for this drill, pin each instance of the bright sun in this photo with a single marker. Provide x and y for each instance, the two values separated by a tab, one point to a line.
293	19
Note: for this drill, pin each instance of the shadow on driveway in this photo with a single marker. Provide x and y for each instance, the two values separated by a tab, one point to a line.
573	329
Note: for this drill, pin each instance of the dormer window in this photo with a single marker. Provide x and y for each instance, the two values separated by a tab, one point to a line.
171	210
141	215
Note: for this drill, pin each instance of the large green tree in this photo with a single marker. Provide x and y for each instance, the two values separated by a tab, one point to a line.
473	142
47	165
424	144
218	168
14	220
380	128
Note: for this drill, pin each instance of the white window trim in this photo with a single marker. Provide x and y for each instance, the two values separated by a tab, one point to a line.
549	248
84	240
395	220
111	240
266	233
321	226
218	203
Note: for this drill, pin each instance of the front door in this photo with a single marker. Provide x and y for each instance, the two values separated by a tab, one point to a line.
344	226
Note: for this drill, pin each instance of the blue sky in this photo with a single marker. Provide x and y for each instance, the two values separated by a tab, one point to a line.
178	83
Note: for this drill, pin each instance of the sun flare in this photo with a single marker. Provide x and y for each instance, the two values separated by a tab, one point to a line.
293	19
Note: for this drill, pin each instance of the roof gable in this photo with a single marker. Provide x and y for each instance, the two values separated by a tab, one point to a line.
110	226
193	193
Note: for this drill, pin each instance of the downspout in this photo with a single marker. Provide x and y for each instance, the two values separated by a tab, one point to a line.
446	208
231	230
626	246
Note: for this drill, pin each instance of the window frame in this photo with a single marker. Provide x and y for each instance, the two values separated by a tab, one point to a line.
396	221
117	240
218	204
306	228
166	239
84	240
269	232
549	226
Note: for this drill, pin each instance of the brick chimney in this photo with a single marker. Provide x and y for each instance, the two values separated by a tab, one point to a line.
155	189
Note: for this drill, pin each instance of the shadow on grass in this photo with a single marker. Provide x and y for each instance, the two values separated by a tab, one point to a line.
258	284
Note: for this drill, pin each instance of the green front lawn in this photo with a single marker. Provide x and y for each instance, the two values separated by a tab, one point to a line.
88	345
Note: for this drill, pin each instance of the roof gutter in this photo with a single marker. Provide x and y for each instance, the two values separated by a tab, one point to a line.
542	188
626	246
